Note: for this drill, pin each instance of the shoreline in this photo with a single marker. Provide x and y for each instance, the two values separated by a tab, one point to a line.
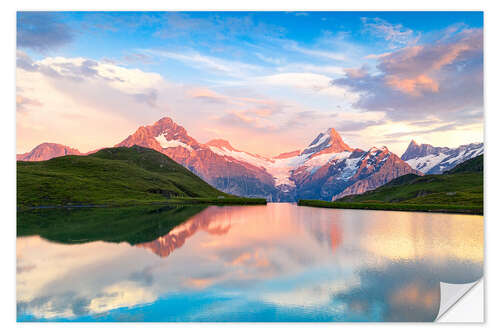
177	201
426	208
403	207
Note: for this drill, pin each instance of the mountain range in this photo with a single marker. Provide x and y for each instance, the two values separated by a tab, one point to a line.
436	160
326	169
458	190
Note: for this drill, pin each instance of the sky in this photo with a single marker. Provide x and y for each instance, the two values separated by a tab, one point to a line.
268	82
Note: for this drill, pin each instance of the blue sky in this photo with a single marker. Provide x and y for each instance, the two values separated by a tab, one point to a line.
260	38
265	74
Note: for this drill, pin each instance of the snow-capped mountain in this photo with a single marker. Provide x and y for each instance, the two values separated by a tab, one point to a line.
46	151
436	160
372	169
217	162
331	176
327	142
326	169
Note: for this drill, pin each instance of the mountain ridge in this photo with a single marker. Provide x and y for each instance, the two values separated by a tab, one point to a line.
223	172
461	185
326	169
429	159
323	169
459	190
46	151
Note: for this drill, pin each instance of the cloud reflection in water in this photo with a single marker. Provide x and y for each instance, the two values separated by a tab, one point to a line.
278	262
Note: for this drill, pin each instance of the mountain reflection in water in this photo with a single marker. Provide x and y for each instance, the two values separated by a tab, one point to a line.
278	262
213	221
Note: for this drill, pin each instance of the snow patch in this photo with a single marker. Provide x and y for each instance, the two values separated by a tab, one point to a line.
280	169
459	158
351	167
240	156
324	138
465	155
318	161
443	161
164	143
425	163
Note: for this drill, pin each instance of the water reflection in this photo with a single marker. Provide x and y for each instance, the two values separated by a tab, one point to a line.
213	221
277	262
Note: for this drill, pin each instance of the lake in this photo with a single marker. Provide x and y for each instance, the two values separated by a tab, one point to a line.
279	262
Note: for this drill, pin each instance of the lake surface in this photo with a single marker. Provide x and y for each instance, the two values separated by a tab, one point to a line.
278	262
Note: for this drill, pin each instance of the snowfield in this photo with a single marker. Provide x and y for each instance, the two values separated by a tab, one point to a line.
438	163
424	164
164	143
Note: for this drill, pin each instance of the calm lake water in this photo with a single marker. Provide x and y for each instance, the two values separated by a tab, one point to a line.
278	262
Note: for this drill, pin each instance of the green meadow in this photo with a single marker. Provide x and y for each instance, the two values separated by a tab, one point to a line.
115	177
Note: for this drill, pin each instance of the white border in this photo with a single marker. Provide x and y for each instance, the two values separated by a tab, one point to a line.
7	134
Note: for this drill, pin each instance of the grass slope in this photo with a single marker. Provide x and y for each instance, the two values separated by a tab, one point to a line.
114	176
460	190
137	224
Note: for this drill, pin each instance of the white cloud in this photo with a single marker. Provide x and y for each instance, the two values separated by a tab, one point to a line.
396	34
88	104
121	78
81	102
196	60
310	82
310	68
316	53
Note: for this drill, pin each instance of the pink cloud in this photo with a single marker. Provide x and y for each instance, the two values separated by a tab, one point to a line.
413	86
442	79
205	93
414	67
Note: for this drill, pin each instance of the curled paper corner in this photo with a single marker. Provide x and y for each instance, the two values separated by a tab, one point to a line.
452	293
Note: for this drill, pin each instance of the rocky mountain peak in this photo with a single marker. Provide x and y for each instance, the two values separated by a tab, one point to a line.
435	160
47	151
415	150
163	133
377	150
171	130
328	141
327	168
164	121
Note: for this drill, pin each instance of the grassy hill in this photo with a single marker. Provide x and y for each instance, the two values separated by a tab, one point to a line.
114	176
458	190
